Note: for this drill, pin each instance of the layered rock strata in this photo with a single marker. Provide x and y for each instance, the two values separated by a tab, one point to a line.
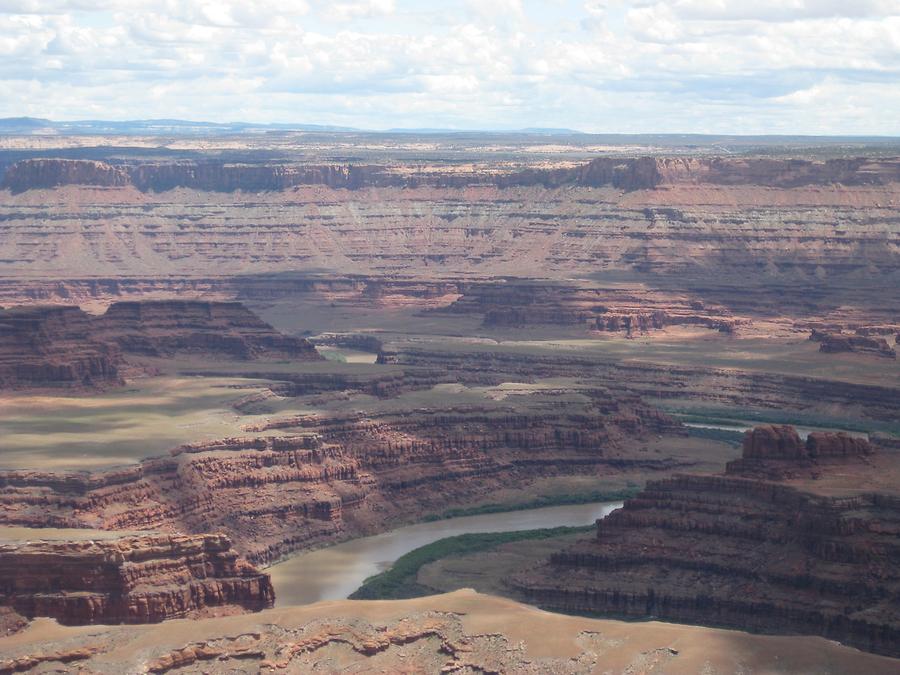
745	552
776	452
44	346
54	346
697	384
133	579
625	173
831	343
170	327
629	311
797	232
343	474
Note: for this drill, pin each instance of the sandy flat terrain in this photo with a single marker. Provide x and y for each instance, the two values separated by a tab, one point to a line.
549	642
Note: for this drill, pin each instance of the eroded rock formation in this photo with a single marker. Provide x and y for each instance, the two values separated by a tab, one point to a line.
776	452
841	342
456	632
344	474
640	173
170	327
631	311
132	579
746	552
797	231
54	346
46	346
698	384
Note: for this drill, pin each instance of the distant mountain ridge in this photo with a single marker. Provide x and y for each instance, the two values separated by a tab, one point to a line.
43	126
36	125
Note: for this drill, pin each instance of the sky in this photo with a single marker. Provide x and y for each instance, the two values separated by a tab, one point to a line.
607	66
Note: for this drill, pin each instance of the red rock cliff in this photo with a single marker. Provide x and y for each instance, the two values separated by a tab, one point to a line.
742	552
43	346
640	173
54	346
776	451
33	174
134	579
166	327
343	474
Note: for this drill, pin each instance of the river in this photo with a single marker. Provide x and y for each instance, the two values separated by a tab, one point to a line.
741	426
335	572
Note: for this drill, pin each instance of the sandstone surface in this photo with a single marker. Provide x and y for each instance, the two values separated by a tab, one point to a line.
455	632
132	579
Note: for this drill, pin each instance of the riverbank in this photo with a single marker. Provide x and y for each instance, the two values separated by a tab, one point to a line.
333	573
401	580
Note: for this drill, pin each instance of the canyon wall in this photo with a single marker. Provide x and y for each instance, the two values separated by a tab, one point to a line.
516	303
169	327
53	346
796	231
329	477
699	384
132	579
629	174
745	551
832	343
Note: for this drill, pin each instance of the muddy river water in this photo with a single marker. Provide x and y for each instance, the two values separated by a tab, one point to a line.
335	572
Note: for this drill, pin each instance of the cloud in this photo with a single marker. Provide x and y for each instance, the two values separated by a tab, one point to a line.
787	66
347	11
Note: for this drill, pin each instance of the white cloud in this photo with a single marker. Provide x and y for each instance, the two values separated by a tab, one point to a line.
657	23
644	65
346	11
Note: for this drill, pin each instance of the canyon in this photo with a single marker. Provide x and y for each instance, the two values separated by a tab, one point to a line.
772	545
130	579
46	346
212	359
343	475
698	225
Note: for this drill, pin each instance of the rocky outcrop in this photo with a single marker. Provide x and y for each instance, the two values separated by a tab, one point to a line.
169	327
697	384
749	553
10	621
328	477
640	173
36	174
133	579
517	303
43	346
776	452
832	343
52	346
771	441
822	445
